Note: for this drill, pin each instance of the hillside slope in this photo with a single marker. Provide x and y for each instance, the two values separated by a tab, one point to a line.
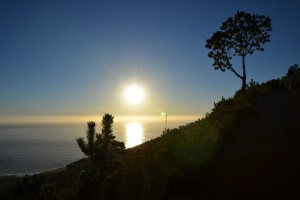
264	159
261	162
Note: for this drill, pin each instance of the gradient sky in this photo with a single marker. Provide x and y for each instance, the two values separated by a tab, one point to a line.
77	57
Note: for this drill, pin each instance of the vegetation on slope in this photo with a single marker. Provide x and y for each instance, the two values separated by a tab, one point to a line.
176	161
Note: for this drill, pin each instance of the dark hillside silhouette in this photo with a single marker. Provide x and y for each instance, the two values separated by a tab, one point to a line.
263	160
246	148
260	161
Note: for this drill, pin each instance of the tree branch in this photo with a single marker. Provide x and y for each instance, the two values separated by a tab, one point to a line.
231	69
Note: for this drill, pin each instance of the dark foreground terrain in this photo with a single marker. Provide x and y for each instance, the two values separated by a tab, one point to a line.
263	162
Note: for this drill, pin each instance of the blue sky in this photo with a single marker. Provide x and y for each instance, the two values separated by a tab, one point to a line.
77	57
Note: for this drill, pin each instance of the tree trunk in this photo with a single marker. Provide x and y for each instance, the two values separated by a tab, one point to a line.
244	85
244	78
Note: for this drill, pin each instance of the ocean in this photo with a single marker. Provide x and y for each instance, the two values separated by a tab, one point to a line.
29	148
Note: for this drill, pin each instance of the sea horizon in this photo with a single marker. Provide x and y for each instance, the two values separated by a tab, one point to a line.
35	145
28	119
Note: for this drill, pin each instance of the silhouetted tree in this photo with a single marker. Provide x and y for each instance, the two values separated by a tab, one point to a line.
105	152
101	148
293	69
292	76
239	35
88	148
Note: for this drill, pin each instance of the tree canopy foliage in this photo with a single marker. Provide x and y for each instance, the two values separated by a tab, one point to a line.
100	148
239	35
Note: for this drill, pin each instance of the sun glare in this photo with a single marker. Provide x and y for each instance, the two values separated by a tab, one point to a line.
134	94
134	134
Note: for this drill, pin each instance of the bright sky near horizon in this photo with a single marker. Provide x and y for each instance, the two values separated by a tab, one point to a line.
73	58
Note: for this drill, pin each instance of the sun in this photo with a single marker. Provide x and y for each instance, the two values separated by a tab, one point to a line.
134	94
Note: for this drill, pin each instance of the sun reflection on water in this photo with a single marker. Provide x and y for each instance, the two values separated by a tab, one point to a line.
134	134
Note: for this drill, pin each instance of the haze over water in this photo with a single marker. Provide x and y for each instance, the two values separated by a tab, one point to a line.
44	143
